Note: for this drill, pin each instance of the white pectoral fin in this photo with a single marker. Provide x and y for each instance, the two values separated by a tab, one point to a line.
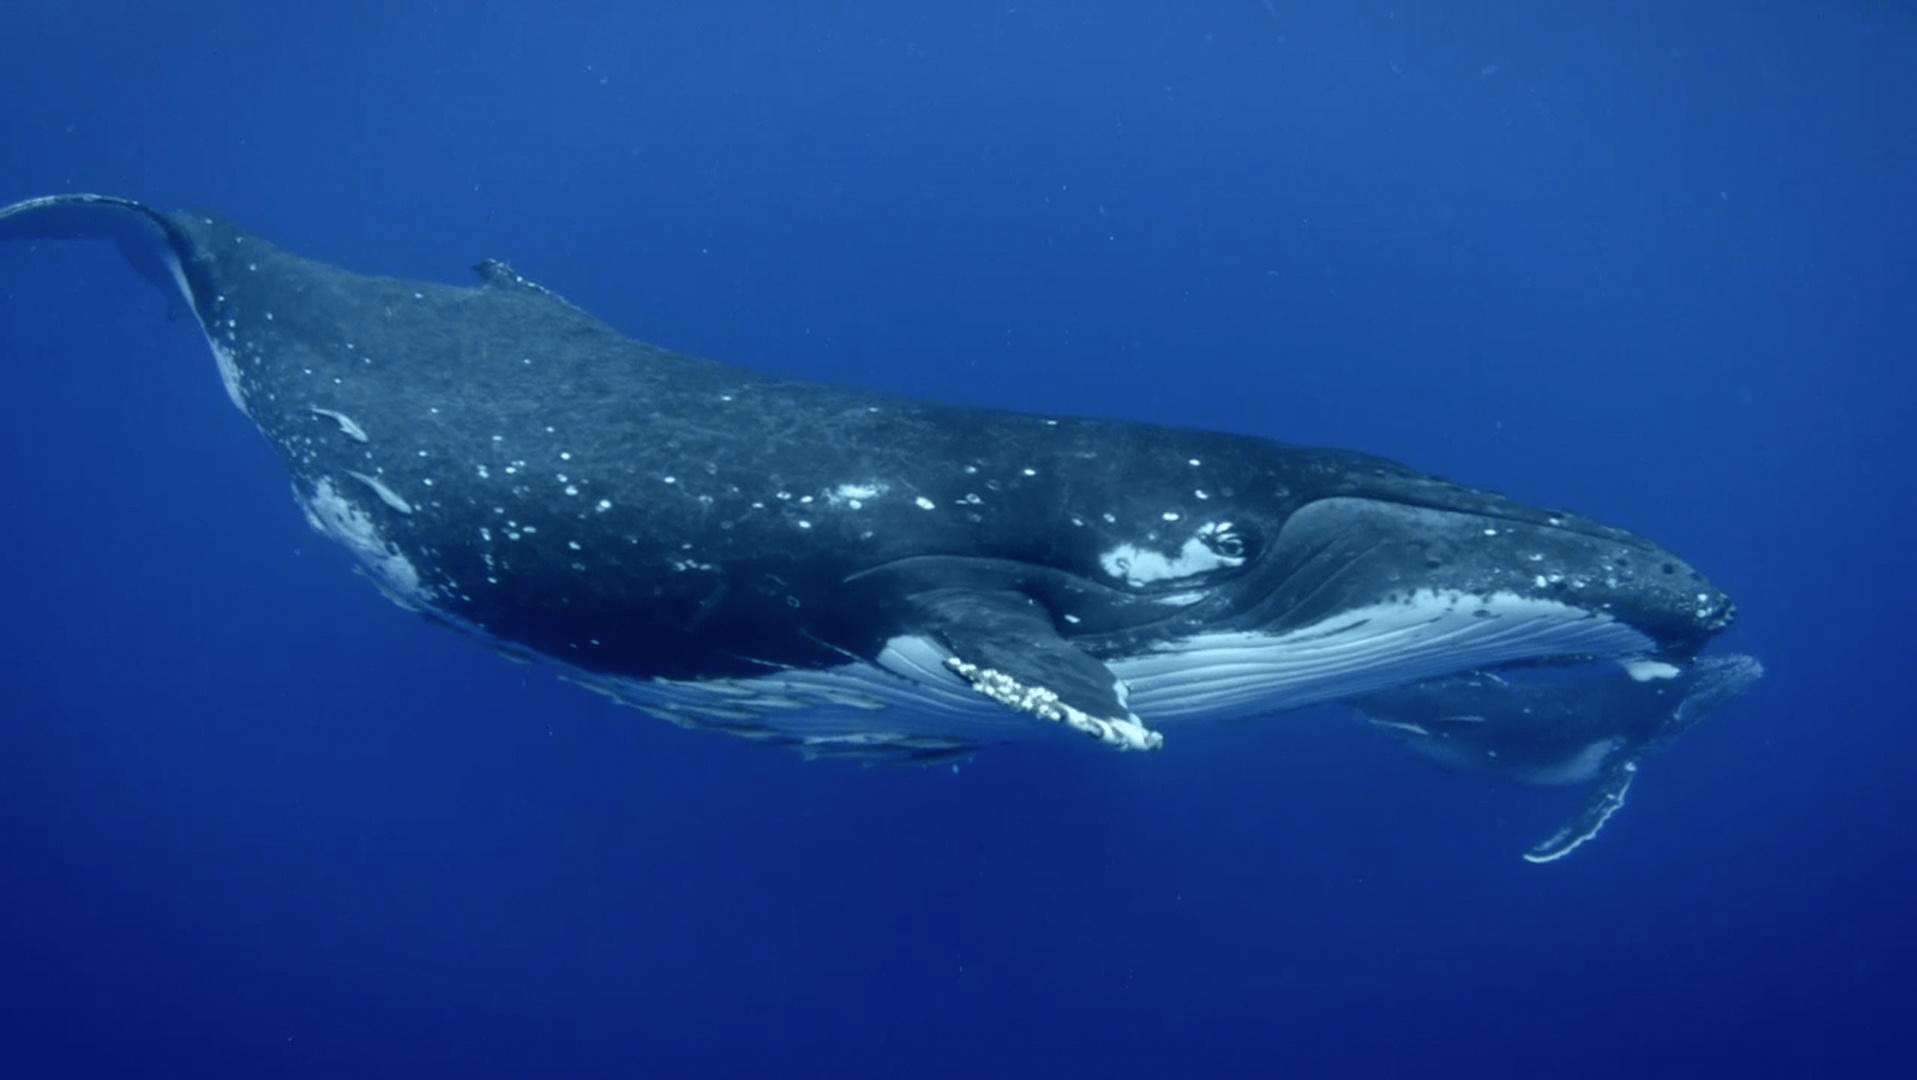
1006	647
1124	732
1606	799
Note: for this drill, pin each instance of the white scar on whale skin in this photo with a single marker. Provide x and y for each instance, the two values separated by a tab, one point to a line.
1648	670
333	515
1138	566
386	495
222	357
353	430
854	496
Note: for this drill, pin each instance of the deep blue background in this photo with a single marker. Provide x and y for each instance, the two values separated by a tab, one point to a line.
1650	261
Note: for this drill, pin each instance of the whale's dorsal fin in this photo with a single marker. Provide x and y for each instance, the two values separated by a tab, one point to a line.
496	274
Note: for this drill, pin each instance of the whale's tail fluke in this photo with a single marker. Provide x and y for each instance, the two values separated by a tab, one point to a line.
143	234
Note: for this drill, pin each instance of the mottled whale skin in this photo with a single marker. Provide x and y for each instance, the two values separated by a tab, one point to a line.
857	574
1589	725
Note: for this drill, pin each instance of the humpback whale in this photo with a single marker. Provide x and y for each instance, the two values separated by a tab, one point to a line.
1559	727
854	574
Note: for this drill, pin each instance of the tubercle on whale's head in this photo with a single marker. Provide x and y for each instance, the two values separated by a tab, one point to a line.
1608	573
1554	554
1388	543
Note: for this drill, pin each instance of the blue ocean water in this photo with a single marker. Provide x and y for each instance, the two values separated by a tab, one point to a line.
1648	261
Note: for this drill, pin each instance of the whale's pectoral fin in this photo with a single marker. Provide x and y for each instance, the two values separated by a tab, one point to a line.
1005	645
1606	798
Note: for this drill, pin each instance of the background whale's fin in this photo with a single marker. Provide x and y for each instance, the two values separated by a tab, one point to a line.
1004	644
1606	798
1710	683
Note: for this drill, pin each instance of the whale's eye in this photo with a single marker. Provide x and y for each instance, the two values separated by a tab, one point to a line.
1225	540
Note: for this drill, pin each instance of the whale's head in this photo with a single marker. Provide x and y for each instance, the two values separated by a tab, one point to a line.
1318	575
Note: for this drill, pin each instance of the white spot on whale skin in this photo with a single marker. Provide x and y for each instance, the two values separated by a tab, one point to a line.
923	503
1648	670
853	496
333	515
386	495
1142	566
353	431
